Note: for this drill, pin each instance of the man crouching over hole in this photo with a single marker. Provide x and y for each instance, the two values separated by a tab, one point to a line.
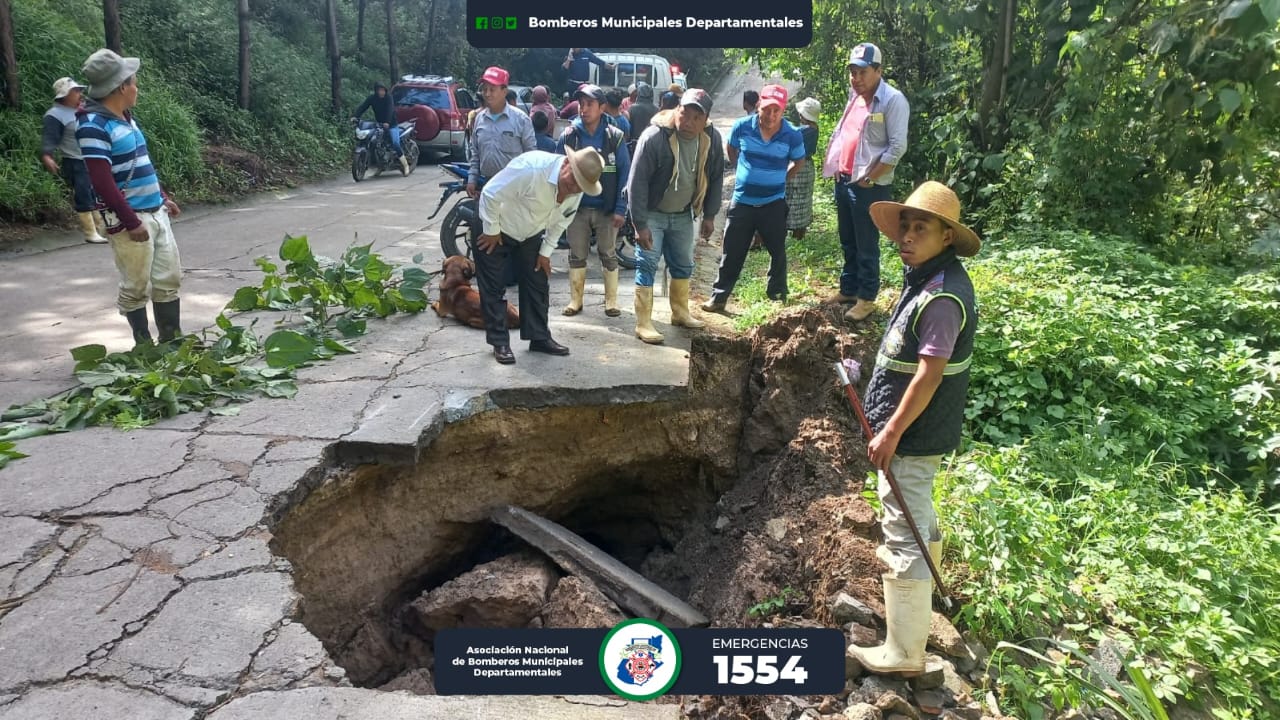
915	404
523	209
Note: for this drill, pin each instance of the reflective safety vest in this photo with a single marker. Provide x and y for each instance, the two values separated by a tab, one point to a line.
937	430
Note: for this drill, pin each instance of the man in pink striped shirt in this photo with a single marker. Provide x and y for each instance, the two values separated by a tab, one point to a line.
867	144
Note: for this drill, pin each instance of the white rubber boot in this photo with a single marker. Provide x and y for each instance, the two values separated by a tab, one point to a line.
679	290
577	286
90	228
908	611
611	293
644	316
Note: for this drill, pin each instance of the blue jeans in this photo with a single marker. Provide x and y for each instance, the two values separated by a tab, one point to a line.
395	139
673	239
859	238
76	175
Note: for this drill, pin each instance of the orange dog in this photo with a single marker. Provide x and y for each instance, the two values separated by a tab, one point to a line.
459	299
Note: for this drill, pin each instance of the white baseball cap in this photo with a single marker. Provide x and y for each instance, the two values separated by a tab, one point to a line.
62	87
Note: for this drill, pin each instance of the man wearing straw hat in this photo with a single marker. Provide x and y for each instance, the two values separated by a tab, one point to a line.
59	137
137	210
523	209
915	404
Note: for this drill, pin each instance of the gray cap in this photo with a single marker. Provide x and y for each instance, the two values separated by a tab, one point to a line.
592	91
644	90
694	96
107	71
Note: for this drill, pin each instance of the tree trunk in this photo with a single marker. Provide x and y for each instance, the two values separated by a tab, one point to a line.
335	55
431	37
391	42
111	24
242	10
8	56
360	26
995	81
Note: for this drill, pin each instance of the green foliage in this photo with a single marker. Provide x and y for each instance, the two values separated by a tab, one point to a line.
152	382
359	281
1155	120
774	604
8	451
1082	681
1086	332
1058	540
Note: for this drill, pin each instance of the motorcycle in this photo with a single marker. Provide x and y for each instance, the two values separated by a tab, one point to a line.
373	149
455	231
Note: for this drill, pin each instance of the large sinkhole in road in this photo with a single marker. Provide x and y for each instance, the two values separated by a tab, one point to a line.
371	539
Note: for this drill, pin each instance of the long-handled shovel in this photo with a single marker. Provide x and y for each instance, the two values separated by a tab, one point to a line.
843	369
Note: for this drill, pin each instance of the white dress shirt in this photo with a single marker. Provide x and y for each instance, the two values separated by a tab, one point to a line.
520	201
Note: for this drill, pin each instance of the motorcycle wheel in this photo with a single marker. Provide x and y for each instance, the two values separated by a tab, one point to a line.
455	235
626	249
464	154
359	165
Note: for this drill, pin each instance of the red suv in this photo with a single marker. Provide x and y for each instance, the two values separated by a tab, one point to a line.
440	106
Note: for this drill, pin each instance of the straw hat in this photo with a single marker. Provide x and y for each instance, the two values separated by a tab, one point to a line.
935	199
587	166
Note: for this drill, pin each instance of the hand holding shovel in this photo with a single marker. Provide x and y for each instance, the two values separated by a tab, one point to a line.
849	367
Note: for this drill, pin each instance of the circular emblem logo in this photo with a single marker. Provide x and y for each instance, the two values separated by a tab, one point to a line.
640	659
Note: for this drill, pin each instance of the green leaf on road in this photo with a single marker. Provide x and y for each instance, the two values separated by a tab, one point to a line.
296	249
89	353
415	277
245	299
350	327
338	347
286	348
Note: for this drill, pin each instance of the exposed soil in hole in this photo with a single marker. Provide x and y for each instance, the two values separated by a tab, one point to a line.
748	486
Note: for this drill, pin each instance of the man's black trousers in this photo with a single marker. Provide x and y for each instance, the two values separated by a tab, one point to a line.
535	290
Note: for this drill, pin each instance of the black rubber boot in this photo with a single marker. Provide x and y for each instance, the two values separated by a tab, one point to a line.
139	324
168	320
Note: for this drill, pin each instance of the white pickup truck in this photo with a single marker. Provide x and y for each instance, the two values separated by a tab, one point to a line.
629	68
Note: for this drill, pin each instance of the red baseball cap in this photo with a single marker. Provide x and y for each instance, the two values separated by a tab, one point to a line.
772	95
495	76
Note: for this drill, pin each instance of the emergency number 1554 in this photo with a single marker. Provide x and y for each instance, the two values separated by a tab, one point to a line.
760	669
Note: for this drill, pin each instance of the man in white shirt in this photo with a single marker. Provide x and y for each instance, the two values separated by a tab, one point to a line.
523	209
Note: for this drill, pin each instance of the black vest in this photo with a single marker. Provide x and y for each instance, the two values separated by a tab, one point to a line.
613	137
937	430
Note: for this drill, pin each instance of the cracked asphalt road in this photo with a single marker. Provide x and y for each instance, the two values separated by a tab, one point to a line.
136	579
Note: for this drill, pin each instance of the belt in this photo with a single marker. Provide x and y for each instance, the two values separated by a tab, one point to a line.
846	179
155	209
